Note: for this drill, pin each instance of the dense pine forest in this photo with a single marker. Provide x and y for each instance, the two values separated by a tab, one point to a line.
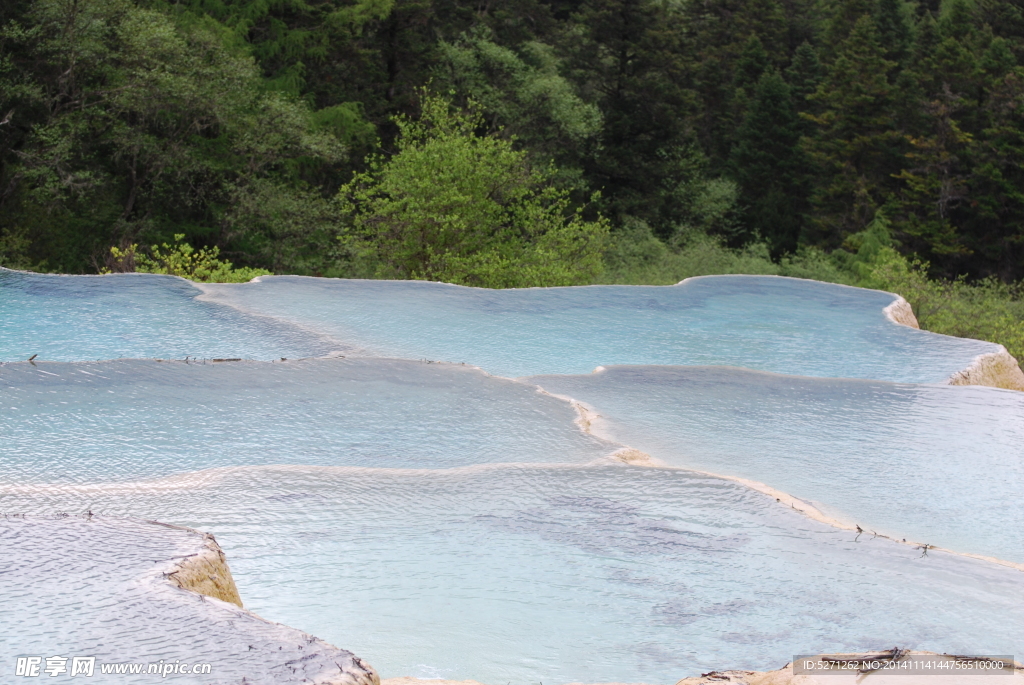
525	142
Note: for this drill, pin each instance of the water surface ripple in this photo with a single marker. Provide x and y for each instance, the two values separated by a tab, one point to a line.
772	324
936	464
440	521
768	323
126	420
143	316
559	573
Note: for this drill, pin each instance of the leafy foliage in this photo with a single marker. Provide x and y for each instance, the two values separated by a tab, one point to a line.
180	259
765	135
456	206
145	127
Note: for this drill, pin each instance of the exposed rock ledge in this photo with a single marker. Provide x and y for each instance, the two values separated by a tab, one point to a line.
901	312
206	571
995	369
152	592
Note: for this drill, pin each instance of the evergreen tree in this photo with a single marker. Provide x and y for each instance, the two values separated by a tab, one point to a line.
994	230
804	74
844	17
627	56
768	165
856	148
894	31
752	62
935	183
919	78
733	43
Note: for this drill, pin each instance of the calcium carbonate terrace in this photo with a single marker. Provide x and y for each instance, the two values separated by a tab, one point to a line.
433	478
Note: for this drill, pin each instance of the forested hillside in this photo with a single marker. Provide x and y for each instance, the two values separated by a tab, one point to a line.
288	134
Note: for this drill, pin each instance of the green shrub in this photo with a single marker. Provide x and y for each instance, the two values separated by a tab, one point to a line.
635	256
984	310
181	259
452	205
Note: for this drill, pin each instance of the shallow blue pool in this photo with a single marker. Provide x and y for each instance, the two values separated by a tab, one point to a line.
424	492
75	318
128	420
555	573
942	465
758	322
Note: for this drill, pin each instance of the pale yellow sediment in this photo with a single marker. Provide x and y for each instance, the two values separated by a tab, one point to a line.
635	457
586	417
902	313
628	455
998	369
206	571
591	422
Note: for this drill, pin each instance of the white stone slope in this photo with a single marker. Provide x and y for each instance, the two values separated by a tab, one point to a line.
996	369
134	591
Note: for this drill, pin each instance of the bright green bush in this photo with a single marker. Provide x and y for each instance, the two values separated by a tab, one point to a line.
452	205
986	310
635	256
181	259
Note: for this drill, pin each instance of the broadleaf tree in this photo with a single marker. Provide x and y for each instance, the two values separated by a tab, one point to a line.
456	205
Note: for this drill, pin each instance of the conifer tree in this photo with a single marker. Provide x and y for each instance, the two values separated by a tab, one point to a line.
804	75
752	62
733	44
627	55
841	23
856	149
894	32
767	163
919	78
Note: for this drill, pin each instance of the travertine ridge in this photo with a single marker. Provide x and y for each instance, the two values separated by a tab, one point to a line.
902	313
206	571
996	369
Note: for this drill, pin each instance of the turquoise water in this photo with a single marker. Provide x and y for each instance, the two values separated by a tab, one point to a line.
551	573
127	420
77	587
76	318
937	464
758	322
440	521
